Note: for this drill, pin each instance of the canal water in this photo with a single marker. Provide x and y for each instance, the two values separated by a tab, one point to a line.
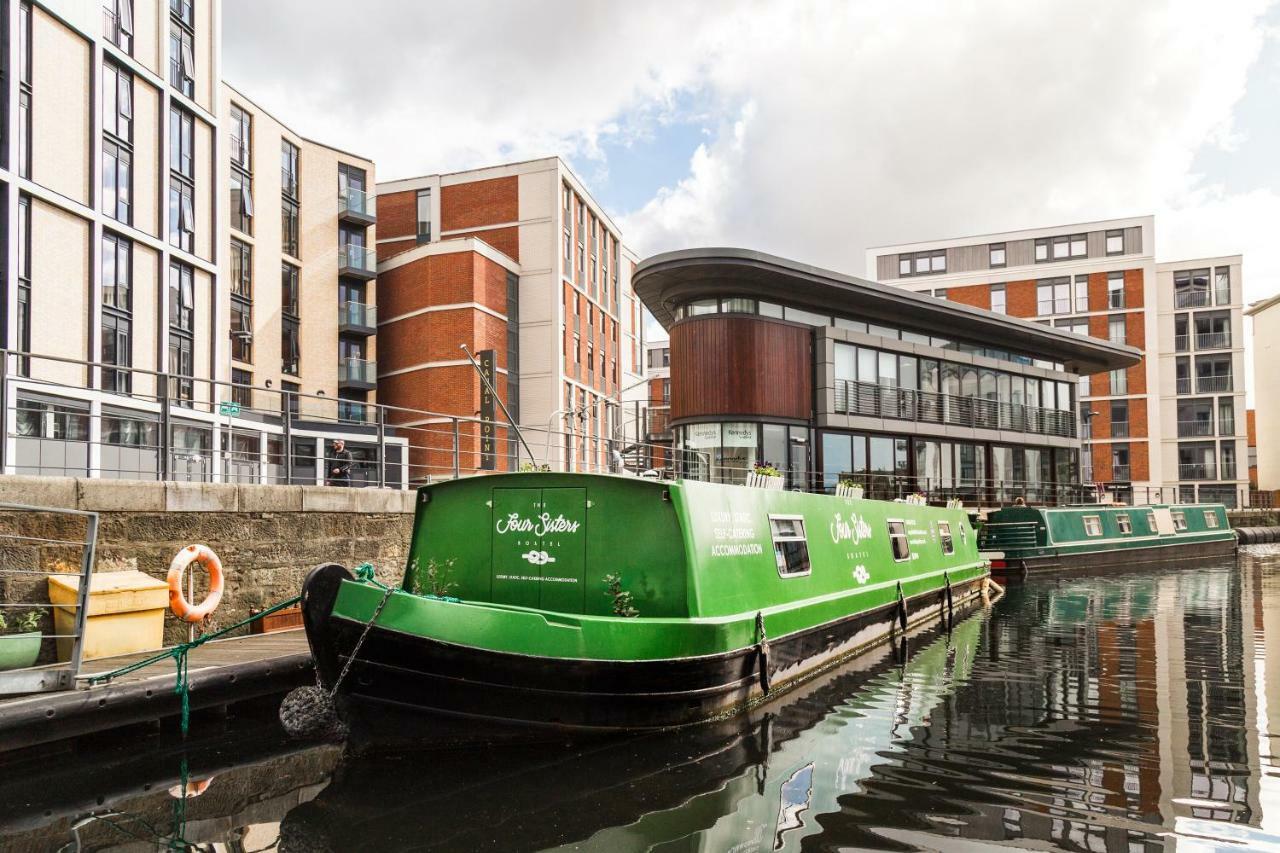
1132	711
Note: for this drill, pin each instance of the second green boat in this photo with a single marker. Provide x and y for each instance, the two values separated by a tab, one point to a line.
617	602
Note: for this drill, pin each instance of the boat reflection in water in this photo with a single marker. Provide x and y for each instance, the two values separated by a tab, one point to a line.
1121	713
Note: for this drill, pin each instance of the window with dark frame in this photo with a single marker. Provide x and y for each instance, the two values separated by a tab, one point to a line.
998	297
996	255
241	387
1061	248
117	312
117	20
24	90
24	282
932	262
1115	290
898	543
1092	525
1115	242
182	64
117	142
290	157
790	545
944	537
181	178
1124	524
181	331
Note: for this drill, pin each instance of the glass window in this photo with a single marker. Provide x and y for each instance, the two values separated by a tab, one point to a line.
1079	248
703	306
1119	382
1115	242
1179	520
289	227
798	315
904	265
1092	525
289	289
1210	519
769	309
1115	329
852	325
898	541
1222	285
738	305
1115	290
424	218
996	254
790	547
1123	522
944	537
998	303
117	272
1082	293
1042	249
837	458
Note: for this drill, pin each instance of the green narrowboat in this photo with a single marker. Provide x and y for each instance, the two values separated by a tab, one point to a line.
602	601
1022	539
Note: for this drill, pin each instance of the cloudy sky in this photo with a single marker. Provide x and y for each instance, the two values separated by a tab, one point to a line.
811	130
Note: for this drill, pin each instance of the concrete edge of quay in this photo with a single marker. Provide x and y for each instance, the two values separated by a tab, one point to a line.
97	495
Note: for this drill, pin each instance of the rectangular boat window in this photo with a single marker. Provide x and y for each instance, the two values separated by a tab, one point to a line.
1179	520
1092	525
944	535
790	547
1123	521
898	539
1210	519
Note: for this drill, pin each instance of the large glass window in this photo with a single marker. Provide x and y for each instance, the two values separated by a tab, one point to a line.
424	218
790	547
998	303
117	23
1115	242
117	180
1115	290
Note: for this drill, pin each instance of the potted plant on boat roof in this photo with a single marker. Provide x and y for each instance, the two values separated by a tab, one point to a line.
765	476
20	637
849	489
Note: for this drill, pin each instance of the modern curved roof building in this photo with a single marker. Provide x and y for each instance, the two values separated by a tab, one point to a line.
829	377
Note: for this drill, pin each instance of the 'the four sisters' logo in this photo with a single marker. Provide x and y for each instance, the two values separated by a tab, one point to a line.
539	525
538	558
854	530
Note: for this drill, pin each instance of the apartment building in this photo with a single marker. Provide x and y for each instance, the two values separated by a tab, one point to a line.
154	253
658	435
1170	428
521	265
1265	417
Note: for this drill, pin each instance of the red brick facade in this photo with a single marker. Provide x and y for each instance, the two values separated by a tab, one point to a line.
977	295
479	203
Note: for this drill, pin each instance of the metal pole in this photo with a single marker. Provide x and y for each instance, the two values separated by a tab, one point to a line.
4	413
382	447
501	404
82	600
165	449
457	451
288	436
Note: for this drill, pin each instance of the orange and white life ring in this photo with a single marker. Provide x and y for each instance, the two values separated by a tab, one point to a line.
178	603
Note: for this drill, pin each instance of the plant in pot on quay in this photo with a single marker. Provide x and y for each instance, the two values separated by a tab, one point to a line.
20	637
765	477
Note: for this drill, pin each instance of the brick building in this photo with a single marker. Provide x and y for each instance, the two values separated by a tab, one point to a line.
1170	428
519	261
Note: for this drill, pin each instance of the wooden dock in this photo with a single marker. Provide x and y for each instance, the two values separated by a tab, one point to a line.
221	673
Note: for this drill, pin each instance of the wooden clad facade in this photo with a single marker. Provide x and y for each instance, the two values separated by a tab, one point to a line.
741	365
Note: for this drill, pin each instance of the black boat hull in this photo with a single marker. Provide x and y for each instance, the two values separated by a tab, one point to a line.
1014	566
399	669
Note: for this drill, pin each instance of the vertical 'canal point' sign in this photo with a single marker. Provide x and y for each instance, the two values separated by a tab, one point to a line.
488	412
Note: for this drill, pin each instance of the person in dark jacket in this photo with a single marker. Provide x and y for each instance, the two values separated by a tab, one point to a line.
340	464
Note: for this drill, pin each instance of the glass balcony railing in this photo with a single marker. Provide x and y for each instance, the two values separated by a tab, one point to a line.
1213	340
1191	298
1212	384
356	259
356	202
358	314
1189	429
1197	471
357	370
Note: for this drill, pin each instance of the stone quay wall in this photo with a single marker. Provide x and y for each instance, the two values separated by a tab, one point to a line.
268	537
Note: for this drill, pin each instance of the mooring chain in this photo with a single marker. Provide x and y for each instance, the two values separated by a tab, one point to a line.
360	642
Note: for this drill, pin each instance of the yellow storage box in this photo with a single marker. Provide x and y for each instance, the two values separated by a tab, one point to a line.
126	613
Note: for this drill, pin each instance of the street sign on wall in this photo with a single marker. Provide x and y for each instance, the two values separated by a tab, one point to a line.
488	411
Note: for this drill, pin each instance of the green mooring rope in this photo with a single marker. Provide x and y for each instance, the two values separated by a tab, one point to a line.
179	654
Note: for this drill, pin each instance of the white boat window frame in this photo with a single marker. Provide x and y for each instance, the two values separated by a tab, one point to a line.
779	558
1211	519
1096	525
1179	521
889	523
945	538
1124	523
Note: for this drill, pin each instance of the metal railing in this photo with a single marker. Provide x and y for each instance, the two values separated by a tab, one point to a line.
358	314
27	557
1197	471
1188	429
357	370
1182	385
1211	384
1181	343
1213	340
1190	298
658	423
1120	473
356	258
356	201
873	400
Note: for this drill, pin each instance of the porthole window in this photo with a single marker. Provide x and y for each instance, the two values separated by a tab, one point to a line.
790	546
898	541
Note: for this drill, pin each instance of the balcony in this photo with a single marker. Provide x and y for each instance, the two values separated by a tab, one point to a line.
1181	343
355	261
358	318
1196	428
1120	473
1213	340
1183	385
1227	471
879	401
356	206
1191	298
1213	384
1197	471
357	373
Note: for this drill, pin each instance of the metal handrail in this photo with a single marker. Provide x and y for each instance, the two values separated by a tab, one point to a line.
1213	340
1194	428
854	397
43	679
1191	298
